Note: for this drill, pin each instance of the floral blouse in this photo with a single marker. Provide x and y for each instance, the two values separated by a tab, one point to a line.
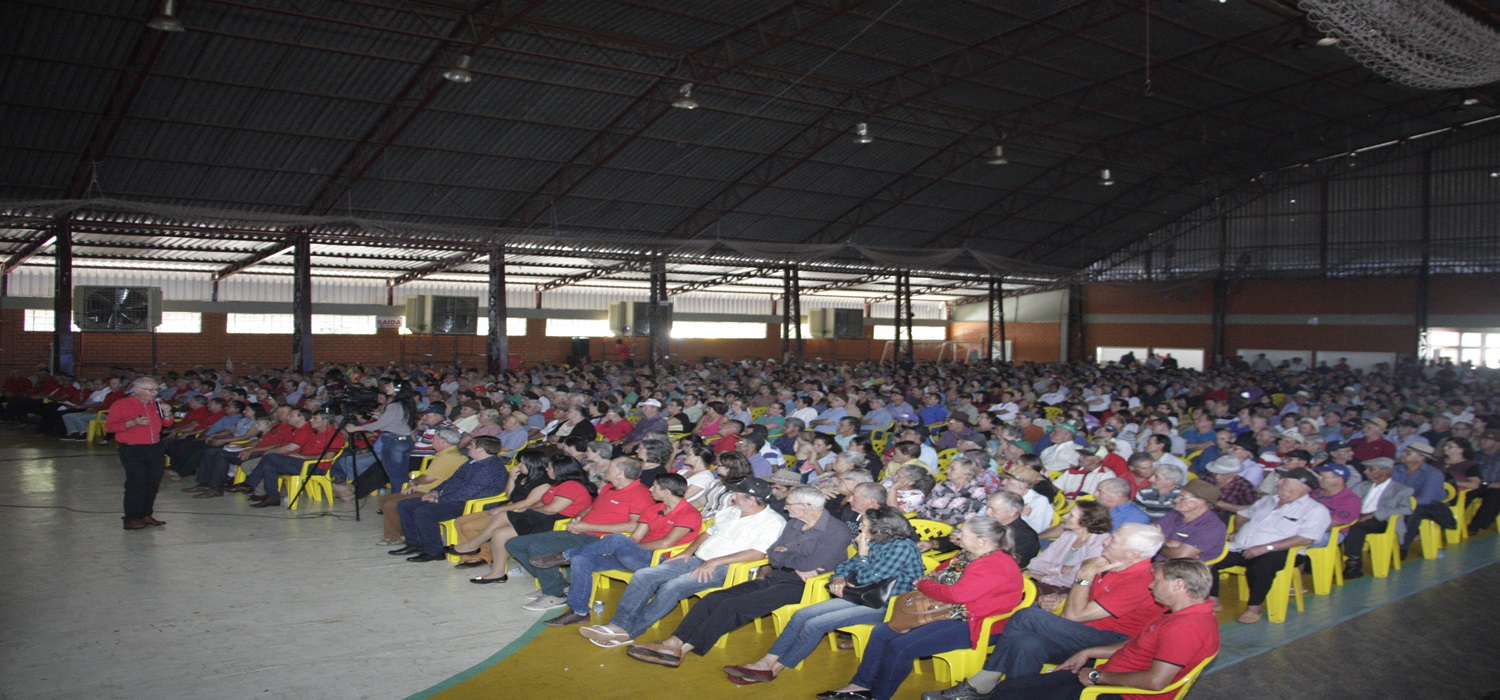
952	505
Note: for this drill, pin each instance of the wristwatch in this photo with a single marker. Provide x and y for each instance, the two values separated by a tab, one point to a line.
1094	677
1270	548
1081	582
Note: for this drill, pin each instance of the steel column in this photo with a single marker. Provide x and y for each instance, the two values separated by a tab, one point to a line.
302	339
64	359
497	346
657	343
1218	339
1076	352
1424	274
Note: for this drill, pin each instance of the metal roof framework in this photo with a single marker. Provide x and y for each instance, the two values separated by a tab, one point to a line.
272	119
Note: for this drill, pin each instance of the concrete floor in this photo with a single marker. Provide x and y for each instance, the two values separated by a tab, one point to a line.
224	600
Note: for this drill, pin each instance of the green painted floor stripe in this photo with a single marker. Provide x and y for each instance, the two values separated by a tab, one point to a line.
521	641
1241	642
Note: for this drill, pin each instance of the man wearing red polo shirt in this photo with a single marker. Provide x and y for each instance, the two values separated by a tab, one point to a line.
1110	602
1165	651
313	437
137	423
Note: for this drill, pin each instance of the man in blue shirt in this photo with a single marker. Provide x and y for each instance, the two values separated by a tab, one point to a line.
828	420
877	418
1114	494
932	410
1426	482
482	477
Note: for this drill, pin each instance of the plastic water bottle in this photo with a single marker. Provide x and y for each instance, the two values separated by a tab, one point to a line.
598	606
516	571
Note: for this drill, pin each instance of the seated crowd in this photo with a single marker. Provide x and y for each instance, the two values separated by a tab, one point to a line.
1102	497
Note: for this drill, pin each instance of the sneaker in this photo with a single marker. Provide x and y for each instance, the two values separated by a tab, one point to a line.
545	603
962	691
567	617
549	561
74	438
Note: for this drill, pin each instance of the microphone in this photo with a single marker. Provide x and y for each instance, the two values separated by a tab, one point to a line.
162	409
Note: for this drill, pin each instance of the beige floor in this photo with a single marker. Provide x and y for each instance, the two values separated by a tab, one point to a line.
224	601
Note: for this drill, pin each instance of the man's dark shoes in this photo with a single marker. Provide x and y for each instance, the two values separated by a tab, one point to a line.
753	675
427	557
268	503
137	524
549	561
568	617
470	564
240	488
845	695
209	493
153	521
408	549
454	551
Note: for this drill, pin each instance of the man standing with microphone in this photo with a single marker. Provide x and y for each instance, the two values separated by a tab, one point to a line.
137	423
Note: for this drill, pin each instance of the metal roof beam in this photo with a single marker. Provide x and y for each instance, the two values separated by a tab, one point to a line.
627	266
726	279
435	268
260	256
846	284
128	85
652	105
40	240
423	86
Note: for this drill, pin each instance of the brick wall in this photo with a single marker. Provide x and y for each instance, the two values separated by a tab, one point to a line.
1030	342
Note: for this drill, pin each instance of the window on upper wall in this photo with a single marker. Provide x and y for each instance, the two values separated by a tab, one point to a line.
917	333
281	324
40	321
578	328
180	322
718	329
1482	348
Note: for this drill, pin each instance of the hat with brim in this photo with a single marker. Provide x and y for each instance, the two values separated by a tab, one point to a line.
1202	489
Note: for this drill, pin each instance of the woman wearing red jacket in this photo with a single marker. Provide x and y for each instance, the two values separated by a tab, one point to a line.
982	580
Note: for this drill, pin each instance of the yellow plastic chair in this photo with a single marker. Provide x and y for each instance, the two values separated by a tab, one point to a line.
422	468
756	412
930	529
449	529
951	666
1327	562
1460	515
738	573
1175	691
96	427
880	438
1287	584
814	591
1052	413
945	457
1432	534
602	579
1385	549
1278	400
319	486
1223	553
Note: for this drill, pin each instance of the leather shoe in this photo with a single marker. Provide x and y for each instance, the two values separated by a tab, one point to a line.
408	549
549	561
137	524
240	488
753	675
845	695
480	579
450	549
268	503
427	557
153	521
195	487
470	564
210	493
258	497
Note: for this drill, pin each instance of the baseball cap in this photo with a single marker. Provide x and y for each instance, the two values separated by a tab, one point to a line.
1093	451
1379	463
1304	475
907	416
753	486
436	408
650	402
1339	469
1303	455
1337	445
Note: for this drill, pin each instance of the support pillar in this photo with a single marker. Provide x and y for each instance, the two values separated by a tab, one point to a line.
1424	274
497	346
1219	329
660	336
903	349
792	346
997	321
64	359
1076	351
302	340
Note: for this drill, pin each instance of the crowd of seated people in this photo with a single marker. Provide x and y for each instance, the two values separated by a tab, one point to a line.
603	465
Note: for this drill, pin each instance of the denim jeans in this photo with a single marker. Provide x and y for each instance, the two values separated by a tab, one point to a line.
889	654
605	554
345	468
271	467
395	455
808	626
419	522
1035	637
653	593
523	548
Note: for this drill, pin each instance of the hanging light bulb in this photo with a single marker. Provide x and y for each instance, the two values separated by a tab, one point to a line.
459	73
167	20
999	157
862	133
686	101
1104	178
